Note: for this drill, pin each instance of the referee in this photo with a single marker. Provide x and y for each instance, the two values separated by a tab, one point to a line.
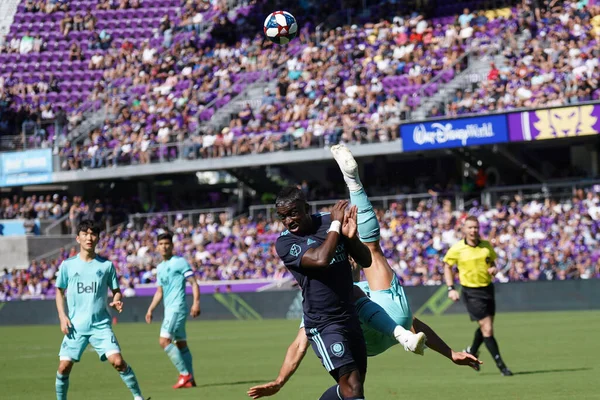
474	259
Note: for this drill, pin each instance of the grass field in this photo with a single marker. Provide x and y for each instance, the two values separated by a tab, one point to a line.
554	356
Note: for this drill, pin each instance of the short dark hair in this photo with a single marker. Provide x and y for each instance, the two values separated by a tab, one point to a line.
165	236
88	224
289	194
471	218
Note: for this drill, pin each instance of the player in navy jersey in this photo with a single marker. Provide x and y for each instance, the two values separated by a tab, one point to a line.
315	249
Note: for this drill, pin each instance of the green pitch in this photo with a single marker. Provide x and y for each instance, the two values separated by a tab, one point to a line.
554	356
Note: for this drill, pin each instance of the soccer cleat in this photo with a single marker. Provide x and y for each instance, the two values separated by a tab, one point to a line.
468	350
506	372
345	160
193	382
185	381
415	343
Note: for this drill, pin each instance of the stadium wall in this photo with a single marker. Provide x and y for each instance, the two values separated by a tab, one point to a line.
510	297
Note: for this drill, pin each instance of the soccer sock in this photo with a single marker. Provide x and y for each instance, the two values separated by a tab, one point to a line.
176	358
332	393
492	346
368	225
371	314
62	386
477	340
186	354
128	376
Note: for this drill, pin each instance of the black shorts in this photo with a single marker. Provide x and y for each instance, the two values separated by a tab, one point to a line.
480	302
340	347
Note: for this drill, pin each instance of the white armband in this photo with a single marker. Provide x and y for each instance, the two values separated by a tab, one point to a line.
335	226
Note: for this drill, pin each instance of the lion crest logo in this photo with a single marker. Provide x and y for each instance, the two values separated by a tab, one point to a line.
565	122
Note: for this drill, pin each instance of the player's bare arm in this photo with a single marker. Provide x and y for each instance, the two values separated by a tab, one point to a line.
435	343
155	302
449	279
320	257
357	249
116	303
65	322
295	353
195	310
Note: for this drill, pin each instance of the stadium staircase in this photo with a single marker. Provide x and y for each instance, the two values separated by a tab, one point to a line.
478	69
8	9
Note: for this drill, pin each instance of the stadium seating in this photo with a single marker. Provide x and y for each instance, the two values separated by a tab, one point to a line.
534	240
556	65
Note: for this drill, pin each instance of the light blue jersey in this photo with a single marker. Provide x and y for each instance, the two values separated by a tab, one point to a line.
87	285
172	275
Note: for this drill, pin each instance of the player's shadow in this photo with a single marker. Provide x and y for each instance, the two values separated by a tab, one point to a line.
543	371
233	383
548	371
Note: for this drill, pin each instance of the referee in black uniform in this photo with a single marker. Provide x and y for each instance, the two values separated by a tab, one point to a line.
475	261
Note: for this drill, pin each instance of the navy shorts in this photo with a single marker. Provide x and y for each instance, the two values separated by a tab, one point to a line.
340	347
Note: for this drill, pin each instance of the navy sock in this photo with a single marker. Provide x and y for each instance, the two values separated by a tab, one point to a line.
477	340
333	393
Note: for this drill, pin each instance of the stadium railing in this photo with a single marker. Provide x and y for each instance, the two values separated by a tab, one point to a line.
138	220
560	191
409	200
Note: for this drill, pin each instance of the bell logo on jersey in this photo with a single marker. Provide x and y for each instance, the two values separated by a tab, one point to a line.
83	288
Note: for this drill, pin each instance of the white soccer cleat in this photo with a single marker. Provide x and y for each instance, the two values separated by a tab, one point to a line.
348	166
415	343
345	160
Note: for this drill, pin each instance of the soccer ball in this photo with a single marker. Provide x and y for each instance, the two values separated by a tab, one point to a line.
281	27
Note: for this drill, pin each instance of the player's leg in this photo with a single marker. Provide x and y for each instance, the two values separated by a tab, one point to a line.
104	341
71	349
173	323
487	329
186	354
481	306
477	342
62	379
342	352
380	274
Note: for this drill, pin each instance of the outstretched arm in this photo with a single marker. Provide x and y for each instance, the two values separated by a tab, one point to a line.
435	343
293	358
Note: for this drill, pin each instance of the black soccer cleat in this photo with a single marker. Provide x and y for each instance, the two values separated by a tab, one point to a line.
506	372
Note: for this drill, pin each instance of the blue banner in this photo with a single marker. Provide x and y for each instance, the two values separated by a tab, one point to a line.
460	132
26	167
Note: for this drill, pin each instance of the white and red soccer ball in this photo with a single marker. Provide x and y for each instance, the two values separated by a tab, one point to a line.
281	27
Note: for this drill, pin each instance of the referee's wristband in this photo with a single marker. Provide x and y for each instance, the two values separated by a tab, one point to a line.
451	287
335	226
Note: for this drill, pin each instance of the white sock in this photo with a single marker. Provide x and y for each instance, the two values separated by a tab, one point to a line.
354	184
400	332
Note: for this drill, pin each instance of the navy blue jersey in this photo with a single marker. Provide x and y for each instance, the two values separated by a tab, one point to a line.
327	292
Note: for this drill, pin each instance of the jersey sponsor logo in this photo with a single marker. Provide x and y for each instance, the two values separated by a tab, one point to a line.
309	242
99	273
83	288
295	250
337	349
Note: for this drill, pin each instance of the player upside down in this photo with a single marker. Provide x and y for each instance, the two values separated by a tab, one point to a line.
389	307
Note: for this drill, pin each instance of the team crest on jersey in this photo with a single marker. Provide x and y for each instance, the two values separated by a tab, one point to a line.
337	349
295	250
99	273
309	242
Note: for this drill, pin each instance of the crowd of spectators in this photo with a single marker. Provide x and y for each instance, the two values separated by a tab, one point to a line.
557	64
328	84
534	240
